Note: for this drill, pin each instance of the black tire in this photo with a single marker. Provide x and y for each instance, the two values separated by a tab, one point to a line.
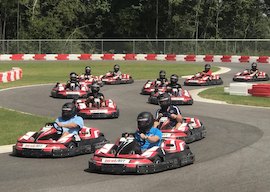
266	77
157	160
71	145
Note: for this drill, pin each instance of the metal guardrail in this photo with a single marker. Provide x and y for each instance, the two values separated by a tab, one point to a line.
160	46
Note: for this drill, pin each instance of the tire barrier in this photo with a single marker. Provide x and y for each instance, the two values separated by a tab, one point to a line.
14	74
140	57
260	90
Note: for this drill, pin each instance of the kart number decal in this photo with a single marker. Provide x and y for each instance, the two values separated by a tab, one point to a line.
166	134
115	161
98	111
177	98
33	146
72	93
193	81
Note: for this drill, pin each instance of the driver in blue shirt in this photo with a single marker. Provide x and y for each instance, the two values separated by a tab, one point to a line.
69	121
147	135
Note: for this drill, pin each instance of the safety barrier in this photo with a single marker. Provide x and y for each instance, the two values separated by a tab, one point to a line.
139	57
238	89
260	90
14	74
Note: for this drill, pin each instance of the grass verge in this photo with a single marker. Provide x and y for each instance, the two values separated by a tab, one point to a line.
218	93
14	124
38	72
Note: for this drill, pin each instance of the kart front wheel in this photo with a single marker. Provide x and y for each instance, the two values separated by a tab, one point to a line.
71	145
157	160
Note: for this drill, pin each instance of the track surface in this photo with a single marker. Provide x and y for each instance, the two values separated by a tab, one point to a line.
234	156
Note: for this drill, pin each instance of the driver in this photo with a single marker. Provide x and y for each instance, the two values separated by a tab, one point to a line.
162	78
73	83
87	74
69	121
207	70
146	134
90	101
254	70
116	70
168	110
173	85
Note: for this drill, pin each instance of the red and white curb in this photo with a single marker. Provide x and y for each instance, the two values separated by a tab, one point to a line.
138	57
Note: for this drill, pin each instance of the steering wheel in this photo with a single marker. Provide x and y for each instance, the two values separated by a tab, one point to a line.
57	127
141	141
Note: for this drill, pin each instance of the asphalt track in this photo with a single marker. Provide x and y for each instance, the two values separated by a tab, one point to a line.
234	156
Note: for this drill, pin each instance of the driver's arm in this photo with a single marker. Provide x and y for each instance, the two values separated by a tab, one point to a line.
151	139
78	122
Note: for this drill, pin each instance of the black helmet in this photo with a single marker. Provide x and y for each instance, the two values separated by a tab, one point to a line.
145	121
254	66
174	79
73	76
207	67
164	100
162	74
95	88
68	111
87	70
116	67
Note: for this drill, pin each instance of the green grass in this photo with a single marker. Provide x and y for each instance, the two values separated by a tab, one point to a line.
51	72
14	124
218	93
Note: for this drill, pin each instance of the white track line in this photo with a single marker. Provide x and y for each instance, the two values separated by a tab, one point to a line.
221	70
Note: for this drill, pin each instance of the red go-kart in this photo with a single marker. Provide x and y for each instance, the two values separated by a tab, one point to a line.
110	79
190	130
151	86
178	96
247	76
96	111
50	141
125	157
61	91
202	79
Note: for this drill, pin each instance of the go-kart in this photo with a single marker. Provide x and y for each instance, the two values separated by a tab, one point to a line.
151	86
190	130
246	76
61	91
96	111
178	96
202	79
50	141
126	157
110	79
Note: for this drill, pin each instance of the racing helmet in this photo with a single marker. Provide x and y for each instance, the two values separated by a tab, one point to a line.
68	111
88	70
164	100
162	74
95	88
73	76
254	66
174	78
116	67
145	121
207	67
